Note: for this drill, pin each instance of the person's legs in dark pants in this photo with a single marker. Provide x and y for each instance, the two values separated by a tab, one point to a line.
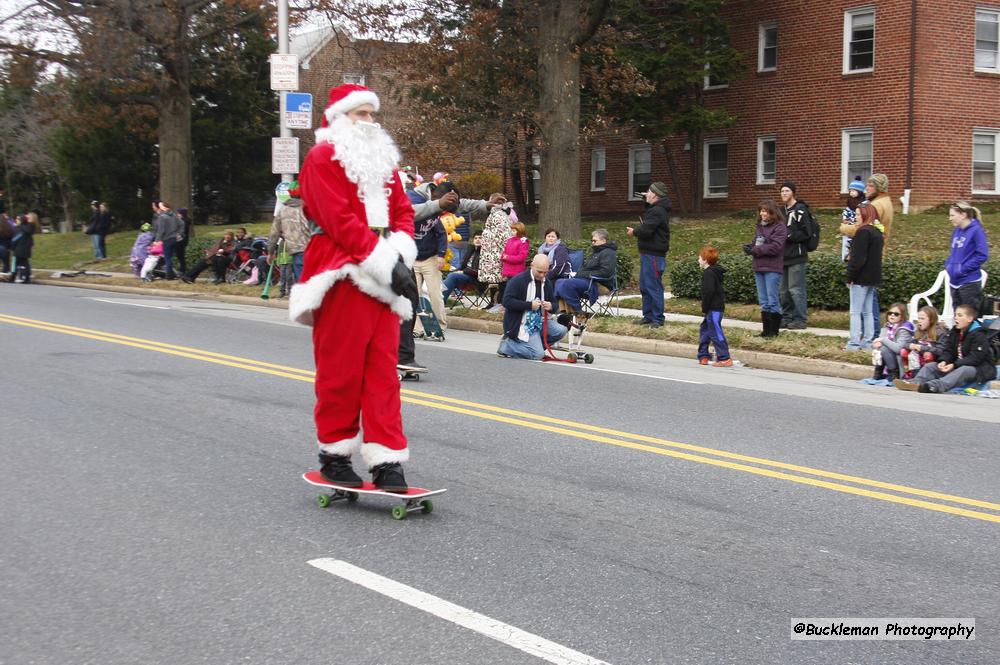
651	286
180	252
219	265
794	301
169	246
407	347
968	294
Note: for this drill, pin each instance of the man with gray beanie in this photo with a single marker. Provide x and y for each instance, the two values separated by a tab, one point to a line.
653	239
794	299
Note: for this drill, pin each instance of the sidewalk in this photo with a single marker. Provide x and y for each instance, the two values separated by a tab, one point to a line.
752	359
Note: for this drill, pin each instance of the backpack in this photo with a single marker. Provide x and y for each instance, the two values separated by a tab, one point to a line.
993	340
812	242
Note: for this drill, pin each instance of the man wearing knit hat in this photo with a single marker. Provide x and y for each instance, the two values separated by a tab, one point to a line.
794	299
355	288
653	240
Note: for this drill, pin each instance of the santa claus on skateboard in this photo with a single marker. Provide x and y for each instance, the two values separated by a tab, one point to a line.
356	286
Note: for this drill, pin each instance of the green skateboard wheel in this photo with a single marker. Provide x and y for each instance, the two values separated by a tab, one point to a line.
427	506
399	512
588	358
323	500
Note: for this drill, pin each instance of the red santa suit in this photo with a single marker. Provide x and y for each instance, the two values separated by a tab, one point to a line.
348	184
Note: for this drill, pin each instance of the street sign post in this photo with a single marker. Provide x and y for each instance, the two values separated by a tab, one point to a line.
298	110
284	155
284	71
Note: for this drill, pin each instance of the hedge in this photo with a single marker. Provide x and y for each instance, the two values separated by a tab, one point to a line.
825	281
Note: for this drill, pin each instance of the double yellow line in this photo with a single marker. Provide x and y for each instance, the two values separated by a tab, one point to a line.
839	482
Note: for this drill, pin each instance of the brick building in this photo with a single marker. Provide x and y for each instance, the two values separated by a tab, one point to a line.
830	90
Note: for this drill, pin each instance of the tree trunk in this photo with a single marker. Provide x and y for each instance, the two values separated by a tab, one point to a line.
513	159
674	178
175	147
559	111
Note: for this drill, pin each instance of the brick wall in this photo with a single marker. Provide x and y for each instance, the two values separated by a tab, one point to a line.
807	102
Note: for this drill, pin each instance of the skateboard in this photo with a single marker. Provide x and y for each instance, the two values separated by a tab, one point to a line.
409	373
576	325
414	499
429	322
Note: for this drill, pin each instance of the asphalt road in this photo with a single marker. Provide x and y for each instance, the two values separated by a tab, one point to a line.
640	510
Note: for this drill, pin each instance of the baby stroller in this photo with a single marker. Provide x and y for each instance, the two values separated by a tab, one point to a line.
244	260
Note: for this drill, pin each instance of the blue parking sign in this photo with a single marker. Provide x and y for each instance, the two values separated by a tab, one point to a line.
298	110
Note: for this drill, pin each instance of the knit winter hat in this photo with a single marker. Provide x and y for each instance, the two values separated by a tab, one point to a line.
789	184
880	180
345	98
146	227
857	184
659	189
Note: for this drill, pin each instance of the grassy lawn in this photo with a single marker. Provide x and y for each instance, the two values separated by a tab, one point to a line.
73	251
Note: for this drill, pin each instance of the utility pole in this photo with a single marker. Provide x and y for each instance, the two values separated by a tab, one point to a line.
284	132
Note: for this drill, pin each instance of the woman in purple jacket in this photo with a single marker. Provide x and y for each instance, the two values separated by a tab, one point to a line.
768	252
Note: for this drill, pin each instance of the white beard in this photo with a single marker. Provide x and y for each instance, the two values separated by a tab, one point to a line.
369	157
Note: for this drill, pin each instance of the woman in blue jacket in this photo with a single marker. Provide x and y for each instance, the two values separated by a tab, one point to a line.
969	251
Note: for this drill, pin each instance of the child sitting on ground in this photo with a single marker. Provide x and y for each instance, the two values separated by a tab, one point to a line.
922	349
965	357
895	336
713	303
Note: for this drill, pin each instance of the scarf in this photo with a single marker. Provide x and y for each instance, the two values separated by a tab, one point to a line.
531	320
546	247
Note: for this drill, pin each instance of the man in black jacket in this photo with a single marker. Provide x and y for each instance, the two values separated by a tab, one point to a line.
599	268
653	238
528	298
794	299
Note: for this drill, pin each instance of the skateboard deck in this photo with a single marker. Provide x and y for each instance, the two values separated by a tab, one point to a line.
409	374
414	499
429	321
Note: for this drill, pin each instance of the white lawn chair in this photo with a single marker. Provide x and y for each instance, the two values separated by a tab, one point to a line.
947	314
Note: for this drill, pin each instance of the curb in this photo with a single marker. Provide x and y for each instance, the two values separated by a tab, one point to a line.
754	359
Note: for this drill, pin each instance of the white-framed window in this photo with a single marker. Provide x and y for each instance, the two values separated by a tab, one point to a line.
859	40
766	149
987	40
716	169
767	47
356	79
855	155
712	83
536	176
986	161
640	170
597	169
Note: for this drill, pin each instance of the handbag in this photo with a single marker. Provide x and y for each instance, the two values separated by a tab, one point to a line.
156	248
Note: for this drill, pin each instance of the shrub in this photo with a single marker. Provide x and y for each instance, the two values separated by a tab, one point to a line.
196	248
479	184
825	282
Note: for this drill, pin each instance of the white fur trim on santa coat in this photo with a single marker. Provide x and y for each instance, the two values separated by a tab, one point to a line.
350	102
346	447
308	296
376	453
381	261
405	245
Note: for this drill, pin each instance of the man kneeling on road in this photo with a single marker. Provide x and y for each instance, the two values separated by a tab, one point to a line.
528	298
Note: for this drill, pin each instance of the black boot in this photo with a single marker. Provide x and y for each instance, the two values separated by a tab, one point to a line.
775	323
771	321
389	477
337	469
879	372
765	324
892	374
